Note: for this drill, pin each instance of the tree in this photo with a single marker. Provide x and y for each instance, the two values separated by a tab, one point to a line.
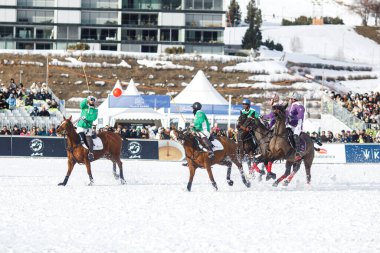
253	37
363	9
375	9
233	14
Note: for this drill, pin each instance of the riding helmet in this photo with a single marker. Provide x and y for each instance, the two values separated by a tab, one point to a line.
246	101
91	98
197	106
295	96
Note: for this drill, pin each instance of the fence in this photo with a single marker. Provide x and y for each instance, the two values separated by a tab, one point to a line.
55	147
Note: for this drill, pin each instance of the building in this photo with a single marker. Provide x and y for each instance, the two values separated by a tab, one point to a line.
118	25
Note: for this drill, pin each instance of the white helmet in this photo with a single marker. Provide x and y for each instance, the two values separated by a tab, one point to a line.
91	98
295	96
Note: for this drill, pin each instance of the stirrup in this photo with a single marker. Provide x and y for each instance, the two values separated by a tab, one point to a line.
211	155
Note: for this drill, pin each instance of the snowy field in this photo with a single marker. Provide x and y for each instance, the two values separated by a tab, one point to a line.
154	213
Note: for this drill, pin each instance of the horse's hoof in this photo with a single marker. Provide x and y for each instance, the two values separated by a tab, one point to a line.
230	182
122	181
271	175
248	184
275	184
61	184
286	183
91	183
116	176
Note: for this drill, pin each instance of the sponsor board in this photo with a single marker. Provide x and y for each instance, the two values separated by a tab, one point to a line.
363	153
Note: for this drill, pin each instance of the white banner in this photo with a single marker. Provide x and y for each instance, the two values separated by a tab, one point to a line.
331	153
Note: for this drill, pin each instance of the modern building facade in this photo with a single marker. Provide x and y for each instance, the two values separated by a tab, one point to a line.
119	25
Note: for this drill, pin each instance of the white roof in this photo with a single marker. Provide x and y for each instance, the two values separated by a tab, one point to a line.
200	90
131	89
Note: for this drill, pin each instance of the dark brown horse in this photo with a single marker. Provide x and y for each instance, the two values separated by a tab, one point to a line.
196	158
249	145
280	148
76	153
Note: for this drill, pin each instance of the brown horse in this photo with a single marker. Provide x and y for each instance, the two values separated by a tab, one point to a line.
196	158
76	153
281	148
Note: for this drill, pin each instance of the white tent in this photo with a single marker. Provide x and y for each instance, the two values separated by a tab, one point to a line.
200	90
111	116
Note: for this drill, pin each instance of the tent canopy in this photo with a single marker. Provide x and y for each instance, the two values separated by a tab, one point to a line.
200	90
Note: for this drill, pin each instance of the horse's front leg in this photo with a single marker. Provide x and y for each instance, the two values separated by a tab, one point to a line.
89	173
296	168
70	166
243	177
229	181
211	176
288	166
192	169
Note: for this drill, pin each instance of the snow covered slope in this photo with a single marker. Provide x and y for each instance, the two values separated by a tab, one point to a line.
335	42
274	10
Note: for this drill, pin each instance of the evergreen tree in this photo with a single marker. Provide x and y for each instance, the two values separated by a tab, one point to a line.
233	14
253	37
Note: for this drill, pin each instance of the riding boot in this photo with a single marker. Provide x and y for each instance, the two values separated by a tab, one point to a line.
90	148
297	147
82	137
208	146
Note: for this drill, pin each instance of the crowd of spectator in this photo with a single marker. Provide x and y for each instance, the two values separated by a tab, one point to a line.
140	132
364	106
23	131
16	95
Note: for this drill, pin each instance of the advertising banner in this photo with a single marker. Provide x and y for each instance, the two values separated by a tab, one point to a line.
331	153
42	147
139	149
141	101
363	153
209	109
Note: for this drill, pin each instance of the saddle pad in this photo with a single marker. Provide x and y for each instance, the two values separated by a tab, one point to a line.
217	145
98	144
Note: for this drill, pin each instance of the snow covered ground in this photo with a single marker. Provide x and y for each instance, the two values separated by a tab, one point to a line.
153	213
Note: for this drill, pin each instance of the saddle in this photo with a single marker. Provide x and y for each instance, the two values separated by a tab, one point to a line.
216	145
98	144
291	140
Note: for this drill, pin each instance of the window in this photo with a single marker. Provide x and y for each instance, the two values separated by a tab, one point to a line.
149	35
24	32
89	34
149	49
129	35
129	19
175	35
108	34
6	32
165	35
43	46
108	47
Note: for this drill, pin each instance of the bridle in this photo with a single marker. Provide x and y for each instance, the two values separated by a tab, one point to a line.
64	132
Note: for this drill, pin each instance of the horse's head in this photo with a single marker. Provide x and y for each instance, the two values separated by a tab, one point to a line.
180	136
279	111
65	126
244	123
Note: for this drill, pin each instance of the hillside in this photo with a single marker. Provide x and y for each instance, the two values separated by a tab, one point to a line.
69	81
274	10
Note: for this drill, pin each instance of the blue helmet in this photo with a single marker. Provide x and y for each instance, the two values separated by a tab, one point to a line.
246	101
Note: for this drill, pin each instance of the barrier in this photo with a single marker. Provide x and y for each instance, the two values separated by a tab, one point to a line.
363	153
36	146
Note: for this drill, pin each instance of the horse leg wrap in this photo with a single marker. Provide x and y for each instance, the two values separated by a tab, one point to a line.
269	167
64	181
254	168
